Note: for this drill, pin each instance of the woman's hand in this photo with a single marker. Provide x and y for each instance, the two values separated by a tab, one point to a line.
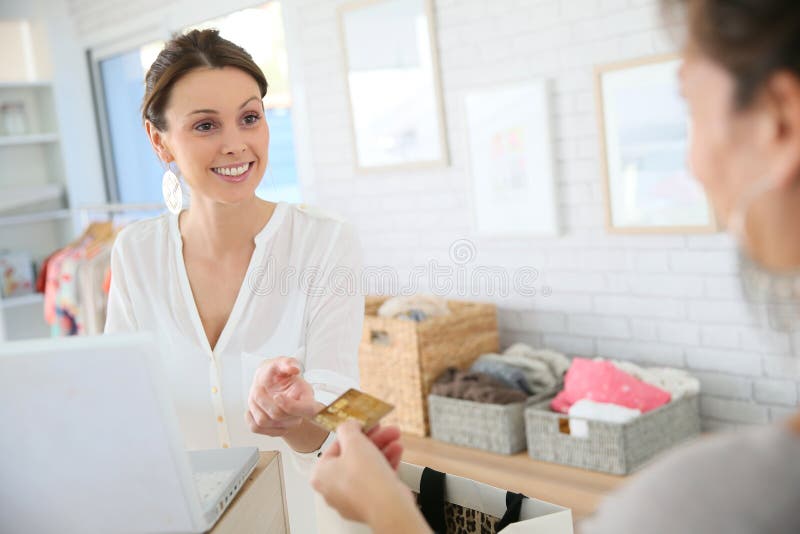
279	398
356	476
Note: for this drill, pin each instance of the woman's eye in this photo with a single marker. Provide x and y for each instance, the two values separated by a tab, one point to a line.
251	118
203	127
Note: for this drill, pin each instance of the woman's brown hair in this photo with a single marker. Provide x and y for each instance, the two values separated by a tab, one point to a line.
751	39
181	55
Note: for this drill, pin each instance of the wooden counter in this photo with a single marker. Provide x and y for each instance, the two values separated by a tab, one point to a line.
260	506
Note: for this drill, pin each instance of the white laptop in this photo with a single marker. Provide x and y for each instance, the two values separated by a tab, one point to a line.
89	442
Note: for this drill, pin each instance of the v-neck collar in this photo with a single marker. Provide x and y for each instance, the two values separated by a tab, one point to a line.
259	239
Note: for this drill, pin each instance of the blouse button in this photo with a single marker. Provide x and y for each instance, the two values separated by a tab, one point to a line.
219	418
214	389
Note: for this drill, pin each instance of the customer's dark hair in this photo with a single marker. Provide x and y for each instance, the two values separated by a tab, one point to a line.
751	39
181	55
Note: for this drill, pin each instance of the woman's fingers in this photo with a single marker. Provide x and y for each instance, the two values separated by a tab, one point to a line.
384	436
272	417
265	404
387	439
278	371
303	407
353	475
394	454
349	434
333	451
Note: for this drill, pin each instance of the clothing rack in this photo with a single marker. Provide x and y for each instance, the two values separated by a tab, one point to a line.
112	209
82	211
76	280
26	218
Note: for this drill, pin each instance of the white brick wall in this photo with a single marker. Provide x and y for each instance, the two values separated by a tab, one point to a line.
665	300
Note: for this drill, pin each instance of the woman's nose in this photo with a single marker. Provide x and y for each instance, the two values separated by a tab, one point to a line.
233	144
234	148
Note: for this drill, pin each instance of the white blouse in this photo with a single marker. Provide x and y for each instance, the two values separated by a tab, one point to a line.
300	298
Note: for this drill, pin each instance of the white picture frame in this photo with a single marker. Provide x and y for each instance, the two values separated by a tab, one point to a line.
393	84
511	161
644	137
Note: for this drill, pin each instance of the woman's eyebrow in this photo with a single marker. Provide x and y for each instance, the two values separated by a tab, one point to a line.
215	111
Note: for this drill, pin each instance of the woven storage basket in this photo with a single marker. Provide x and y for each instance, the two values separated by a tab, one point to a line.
399	359
610	447
496	428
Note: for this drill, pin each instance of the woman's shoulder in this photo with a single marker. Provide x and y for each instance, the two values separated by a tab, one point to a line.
140	235
315	214
319	223
697	487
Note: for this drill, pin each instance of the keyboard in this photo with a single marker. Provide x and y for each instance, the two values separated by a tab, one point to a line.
210	485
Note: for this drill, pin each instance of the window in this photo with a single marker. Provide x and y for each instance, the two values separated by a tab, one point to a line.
133	172
132	169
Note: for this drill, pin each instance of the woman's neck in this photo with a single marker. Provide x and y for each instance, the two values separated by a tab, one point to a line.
221	229
773	230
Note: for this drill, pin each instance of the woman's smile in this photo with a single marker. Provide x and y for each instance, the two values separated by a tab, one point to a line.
235	173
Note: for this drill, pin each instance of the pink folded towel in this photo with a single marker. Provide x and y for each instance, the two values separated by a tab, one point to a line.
602	381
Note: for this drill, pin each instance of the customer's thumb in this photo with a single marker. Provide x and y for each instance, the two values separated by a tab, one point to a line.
348	433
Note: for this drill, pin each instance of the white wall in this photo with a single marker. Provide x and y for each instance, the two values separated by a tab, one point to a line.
666	300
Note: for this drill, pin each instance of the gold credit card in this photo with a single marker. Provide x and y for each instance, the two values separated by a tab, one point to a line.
353	404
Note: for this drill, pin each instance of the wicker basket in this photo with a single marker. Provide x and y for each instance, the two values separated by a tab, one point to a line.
609	447
496	428
399	359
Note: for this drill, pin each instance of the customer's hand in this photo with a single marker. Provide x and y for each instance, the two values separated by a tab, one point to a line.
356	474
279	398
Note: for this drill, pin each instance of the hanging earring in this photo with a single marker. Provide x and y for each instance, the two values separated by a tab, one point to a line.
171	190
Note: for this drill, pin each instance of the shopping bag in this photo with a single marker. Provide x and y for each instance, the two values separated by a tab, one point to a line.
470	507
458	505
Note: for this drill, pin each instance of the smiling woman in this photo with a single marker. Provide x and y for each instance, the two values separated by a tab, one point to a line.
215	147
247	365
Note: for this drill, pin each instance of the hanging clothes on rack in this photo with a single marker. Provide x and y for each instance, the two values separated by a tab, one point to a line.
76	278
70	273
92	297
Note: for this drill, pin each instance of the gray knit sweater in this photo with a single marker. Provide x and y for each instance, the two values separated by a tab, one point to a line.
742	483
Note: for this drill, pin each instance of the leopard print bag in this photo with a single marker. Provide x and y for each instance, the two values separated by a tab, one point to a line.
450	518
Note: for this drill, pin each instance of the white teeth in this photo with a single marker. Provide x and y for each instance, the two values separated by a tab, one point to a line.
234	171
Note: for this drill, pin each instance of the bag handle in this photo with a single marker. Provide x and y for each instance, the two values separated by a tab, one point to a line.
431	499
513	510
432	502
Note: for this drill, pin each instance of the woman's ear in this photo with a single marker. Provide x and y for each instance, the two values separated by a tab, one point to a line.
157	140
784	90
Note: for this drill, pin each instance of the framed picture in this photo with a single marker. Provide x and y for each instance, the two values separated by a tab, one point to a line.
512	160
16	274
393	84
644	135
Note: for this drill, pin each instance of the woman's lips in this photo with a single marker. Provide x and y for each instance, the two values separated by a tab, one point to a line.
235	179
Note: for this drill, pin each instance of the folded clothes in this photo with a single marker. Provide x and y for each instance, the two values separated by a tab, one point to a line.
602	381
414	307
675	381
558	362
585	410
534	371
413	315
476	387
530	376
510	375
603	411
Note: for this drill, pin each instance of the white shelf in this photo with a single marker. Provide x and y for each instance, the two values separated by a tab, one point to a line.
30	139
26	218
24	300
26	84
17	197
